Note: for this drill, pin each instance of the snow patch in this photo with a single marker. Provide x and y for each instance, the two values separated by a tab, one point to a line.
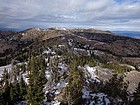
101	98
92	71
61	84
23	34
49	51
78	49
25	77
61	46
70	42
63	67
53	103
57	92
7	67
48	74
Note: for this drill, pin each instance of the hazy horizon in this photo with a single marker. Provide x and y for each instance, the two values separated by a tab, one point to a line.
112	15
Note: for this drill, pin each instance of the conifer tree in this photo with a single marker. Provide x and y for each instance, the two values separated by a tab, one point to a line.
12	96
14	91
6	93
74	87
5	89
23	87
116	88
35	94
31	77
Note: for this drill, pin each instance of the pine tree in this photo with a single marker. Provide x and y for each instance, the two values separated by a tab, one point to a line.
14	91
6	93
12	96
31	77
74	87
23	87
5	86
35	94
116	88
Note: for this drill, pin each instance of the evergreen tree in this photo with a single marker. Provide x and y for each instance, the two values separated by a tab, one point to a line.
31	77
23	87
74	87
14	91
5	89
116	88
12	95
35	94
6	93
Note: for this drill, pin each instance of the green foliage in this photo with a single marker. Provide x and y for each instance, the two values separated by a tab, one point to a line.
81	61
11	91
35	94
5	60
73	92
15	90
116	68
5	89
116	88
22	87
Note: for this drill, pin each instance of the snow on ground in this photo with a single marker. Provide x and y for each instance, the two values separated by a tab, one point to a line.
7	67
60	28
57	92
61	84
25	77
53	103
90	97
70	42
38	29
56	103
46	52
99	43
91	71
85	93
97	52
49	51
48	74
21	103
79	49
23	34
61	46
63	67
46	59
101	97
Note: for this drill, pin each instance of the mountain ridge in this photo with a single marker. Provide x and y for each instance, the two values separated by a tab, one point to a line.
104	41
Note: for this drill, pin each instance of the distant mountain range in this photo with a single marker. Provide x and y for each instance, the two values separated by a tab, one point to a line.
134	34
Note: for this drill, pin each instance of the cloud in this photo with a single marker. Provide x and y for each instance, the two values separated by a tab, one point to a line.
101	14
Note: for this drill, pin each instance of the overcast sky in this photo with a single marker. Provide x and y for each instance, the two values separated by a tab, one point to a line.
99	14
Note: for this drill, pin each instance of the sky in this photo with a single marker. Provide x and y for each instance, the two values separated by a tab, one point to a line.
110	15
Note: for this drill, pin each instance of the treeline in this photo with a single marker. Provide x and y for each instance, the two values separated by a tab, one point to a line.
14	89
